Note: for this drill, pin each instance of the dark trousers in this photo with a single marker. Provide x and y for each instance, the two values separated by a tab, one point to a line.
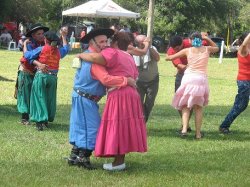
148	92
240	103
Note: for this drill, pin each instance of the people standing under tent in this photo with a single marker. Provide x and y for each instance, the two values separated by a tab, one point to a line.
243	82
44	88
26	72
193	92
122	128
88	90
5	38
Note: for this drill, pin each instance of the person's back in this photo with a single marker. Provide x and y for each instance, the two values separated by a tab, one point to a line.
119	63
50	55
197	60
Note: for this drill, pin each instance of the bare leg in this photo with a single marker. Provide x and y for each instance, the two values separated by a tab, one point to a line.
180	113
185	119
198	120
119	159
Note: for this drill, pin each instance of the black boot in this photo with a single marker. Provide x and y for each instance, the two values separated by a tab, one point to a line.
25	119
83	160
46	124
39	126
73	156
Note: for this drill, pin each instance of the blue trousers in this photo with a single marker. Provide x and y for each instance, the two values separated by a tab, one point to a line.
240	103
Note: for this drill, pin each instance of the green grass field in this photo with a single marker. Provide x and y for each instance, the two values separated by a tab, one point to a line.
32	158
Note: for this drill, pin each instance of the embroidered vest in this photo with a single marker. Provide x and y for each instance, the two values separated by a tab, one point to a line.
50	56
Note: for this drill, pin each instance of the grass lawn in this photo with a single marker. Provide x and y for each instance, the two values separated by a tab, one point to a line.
32	158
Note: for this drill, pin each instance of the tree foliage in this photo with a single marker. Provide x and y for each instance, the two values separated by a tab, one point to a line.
171	16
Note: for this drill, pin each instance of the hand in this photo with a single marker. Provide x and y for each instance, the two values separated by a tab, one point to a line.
64	31
167	57
78	55
147	39
42	67
204	35
26	42
131	82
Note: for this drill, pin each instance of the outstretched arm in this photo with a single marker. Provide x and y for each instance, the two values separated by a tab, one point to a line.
95	58
181	53
243	47
100	73
64	50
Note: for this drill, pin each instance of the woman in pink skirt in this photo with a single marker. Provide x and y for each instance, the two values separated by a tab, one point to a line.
194	91
122	128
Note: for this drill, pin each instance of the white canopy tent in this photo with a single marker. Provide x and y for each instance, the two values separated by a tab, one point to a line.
100	8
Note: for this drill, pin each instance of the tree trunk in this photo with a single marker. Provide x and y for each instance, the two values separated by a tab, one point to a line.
150	19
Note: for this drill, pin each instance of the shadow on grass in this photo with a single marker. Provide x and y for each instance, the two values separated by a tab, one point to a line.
169	121
165	116
58	127
6	79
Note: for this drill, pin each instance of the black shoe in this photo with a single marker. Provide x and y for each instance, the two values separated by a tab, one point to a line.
224	130
45	124
25	119
39	126
183	134
72	161
73	156
24	122
84	162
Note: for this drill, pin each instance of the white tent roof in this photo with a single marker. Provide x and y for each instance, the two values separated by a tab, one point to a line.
100	8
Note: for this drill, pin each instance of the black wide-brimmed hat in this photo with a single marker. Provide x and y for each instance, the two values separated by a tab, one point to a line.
36	27
97	32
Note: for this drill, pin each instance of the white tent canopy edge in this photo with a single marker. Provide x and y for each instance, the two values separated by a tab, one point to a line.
100	8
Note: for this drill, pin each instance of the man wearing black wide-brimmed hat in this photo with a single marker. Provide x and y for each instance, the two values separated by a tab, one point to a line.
88	90
44	88
26	72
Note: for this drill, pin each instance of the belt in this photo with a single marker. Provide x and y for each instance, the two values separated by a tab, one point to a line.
23	69
88	96
48	72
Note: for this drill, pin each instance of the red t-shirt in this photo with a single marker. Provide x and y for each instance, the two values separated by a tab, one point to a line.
244	68
186	44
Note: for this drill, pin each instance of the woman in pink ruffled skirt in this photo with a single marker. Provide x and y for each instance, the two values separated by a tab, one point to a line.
194	90
122	128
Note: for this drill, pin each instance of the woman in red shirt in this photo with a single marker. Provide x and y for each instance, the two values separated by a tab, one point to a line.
243	82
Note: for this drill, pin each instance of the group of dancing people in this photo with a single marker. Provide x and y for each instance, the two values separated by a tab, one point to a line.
125	68
36	84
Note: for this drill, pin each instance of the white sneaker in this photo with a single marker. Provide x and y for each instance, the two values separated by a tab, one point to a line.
109	167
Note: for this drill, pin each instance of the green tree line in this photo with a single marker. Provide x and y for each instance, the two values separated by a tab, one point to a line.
170	17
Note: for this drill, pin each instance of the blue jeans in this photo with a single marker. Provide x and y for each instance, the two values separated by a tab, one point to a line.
240	103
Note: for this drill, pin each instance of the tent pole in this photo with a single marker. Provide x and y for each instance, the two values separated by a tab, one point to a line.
62	21
76	25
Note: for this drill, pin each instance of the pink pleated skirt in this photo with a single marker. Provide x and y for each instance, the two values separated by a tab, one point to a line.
194	90
122	128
